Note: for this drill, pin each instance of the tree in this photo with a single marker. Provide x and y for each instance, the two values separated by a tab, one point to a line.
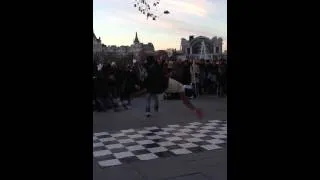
149	8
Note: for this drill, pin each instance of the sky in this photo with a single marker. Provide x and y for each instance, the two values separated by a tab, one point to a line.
117	21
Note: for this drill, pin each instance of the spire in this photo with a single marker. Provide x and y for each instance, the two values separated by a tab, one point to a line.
136	40
94	36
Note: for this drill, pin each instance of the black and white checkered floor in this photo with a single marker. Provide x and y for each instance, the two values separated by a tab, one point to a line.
131	145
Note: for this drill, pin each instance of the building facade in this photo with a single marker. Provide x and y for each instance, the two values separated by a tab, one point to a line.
137	50
202	47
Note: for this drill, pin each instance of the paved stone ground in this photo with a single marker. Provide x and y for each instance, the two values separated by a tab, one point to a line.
199	166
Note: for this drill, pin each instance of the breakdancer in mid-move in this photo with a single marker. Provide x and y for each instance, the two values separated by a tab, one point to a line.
158	82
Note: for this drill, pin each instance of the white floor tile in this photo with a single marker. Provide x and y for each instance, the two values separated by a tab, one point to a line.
215	141
114	146
135	136
135	148
188	145
107	163
147	156
166	143
198	135
99	144
143	142
101	153
194	140
108	139
125	140
180	151
211	147
174	138
123	155
101	134
219	136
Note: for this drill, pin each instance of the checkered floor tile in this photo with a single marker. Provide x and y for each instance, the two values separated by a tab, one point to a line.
126	146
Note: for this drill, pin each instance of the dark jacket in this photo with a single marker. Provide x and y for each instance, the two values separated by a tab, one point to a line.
100	85
178	72
156	81
186	74
130	79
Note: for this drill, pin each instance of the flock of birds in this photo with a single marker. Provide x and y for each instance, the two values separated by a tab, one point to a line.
148	8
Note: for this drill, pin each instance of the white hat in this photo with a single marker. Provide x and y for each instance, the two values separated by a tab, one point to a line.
134	61
113	63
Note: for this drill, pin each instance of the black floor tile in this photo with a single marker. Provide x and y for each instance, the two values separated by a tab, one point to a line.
129	159
150	134
202	143
165	154
130	144
110	142
173	147
104	136
123	137
151	145
196	149
106	157
156	130
139	152
99	148
206	138
118	150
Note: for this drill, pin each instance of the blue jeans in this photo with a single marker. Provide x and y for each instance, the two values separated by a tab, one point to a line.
156	101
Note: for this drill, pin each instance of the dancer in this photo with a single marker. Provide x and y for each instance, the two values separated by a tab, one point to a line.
158	82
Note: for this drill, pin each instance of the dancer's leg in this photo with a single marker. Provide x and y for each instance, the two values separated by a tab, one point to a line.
176	87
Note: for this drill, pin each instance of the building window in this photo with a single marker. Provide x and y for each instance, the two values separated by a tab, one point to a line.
217	49
188	50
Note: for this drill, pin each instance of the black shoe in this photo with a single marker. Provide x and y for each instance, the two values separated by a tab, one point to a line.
156	109
148	114
125	106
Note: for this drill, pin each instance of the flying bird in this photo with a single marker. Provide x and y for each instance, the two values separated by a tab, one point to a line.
149	8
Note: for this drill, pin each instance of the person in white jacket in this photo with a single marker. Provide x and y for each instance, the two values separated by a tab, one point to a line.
195	72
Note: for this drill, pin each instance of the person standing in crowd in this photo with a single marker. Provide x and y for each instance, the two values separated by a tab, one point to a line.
195	73
202	76
94	77
178	69
130	84
222	78
117	75
186	80
153	84
110	80
208	76
100	88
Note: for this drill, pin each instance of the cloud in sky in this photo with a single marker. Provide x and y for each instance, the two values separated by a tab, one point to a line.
116	22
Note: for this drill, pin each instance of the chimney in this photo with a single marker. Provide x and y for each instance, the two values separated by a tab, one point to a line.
191	38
